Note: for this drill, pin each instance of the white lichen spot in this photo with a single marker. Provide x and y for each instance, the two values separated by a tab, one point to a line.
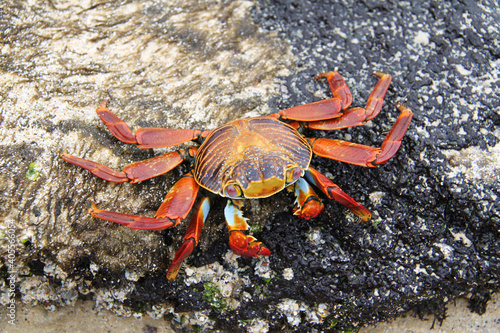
462	70
94	268
461	131
51	269
322	310
461	237
231	258
340	33
263	269
258	325
228	283
189	271
419	270
422	131
158	311
376	197
203	274
475	164
314	236
137	315
288	274
226	288
189	319
246	296
132	275
421	38
34	290
445	249
291	308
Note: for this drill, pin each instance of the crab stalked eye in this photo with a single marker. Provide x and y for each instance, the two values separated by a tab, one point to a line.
296	174
232	191
293	174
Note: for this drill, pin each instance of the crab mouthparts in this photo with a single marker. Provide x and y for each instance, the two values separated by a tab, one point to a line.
264	188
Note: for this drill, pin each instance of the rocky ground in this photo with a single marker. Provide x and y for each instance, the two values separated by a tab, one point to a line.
435	231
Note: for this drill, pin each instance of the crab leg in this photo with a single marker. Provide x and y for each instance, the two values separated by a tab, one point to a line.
339	88
320	110
190	240
327	114
176	206
308	203
358	116
325	109
350	118
332	191
132	221
146	137
134	172
180	199
362	155
241	244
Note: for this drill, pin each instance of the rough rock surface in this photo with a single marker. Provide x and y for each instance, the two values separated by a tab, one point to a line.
436	227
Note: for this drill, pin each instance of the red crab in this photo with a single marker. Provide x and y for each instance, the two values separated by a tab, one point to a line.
249	158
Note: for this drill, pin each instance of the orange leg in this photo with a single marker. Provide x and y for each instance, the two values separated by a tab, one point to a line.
339	88
132	221
358	154
308	203
321	110
134	172
241	244
357	116
179	199
146	137
175	207
191	237
328	115
332	191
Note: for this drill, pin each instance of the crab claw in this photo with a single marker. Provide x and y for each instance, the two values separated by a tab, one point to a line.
246	246
241	244
311	209
332	191
308	203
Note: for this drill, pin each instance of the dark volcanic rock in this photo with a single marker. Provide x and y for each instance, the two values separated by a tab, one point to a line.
436	218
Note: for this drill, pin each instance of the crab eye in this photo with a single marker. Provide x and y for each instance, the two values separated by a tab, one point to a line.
293	174
232	191
296	174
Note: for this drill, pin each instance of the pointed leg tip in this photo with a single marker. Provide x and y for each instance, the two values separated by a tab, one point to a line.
172	272
92	206
103	104
404	109
381	74
264	251
64	156
363	214
364	219
325	75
